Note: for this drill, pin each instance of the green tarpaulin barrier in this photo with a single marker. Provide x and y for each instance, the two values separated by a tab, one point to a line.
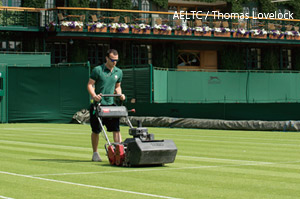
225	87
46	94
136	83
26	59
3	94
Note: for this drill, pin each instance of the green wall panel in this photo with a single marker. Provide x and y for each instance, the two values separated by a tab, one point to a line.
225	87
3	94
26	60
46	94
160	86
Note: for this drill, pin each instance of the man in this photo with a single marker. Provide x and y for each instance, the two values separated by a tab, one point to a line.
105	79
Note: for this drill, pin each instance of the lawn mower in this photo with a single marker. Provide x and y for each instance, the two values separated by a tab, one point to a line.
140	150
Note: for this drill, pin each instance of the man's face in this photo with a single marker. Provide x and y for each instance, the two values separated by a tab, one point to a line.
112	60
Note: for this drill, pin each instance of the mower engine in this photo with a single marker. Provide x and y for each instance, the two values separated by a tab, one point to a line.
142	149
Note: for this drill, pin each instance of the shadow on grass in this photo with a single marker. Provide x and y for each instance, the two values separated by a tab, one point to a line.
135	167
60	160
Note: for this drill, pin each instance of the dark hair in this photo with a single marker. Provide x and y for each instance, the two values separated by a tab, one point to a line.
113	51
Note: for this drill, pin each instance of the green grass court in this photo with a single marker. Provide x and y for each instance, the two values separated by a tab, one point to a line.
53	161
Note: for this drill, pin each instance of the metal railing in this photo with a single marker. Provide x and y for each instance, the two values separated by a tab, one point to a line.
18	16
152	18
137	21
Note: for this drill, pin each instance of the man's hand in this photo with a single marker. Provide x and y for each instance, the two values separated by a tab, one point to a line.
97	98
122	97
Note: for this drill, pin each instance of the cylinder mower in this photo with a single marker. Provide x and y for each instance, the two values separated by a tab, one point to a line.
141	149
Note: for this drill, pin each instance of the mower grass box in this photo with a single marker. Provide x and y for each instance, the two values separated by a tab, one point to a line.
142	149
154	152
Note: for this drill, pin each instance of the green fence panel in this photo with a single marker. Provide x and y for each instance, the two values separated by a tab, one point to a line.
273	87
47	94
136	83
160	86
225	87
193	87
3	94
26	59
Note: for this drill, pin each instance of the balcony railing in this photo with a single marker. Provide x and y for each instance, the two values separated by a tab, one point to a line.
164	23
153	23
19	17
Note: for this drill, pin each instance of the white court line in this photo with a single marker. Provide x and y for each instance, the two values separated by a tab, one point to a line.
85	185
5	197
164	169
88	149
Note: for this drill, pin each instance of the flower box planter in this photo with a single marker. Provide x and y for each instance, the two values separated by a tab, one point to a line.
104	29
239	35
70	29
289	37
50	28
294	37
222	34
115	30
140	31
202	34
183	33
276	36
161	32
259	36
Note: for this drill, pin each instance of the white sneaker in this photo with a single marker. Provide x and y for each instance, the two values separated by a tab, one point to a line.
96	157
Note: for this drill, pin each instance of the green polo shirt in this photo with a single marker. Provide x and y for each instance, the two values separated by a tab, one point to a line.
105	81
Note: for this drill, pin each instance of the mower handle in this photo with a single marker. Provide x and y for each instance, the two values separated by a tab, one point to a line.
110	95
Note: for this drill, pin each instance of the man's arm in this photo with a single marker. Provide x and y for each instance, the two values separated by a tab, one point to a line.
118	90
91	90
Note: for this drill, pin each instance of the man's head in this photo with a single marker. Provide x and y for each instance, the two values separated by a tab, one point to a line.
112	57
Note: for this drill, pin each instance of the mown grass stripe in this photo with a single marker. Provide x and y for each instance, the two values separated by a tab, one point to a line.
209	164
88	186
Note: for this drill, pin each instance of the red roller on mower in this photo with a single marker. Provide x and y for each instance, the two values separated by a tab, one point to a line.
139	150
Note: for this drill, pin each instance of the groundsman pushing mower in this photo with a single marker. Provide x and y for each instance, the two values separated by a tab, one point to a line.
140	150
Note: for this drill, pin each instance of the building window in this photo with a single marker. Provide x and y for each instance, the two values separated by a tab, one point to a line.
4	2
16	3
145	7
188	59
50	15
287	59
104	4
142	54
58	52
13	3
97	53
93	4
135	4
15	46
254	59
251	9
49	4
